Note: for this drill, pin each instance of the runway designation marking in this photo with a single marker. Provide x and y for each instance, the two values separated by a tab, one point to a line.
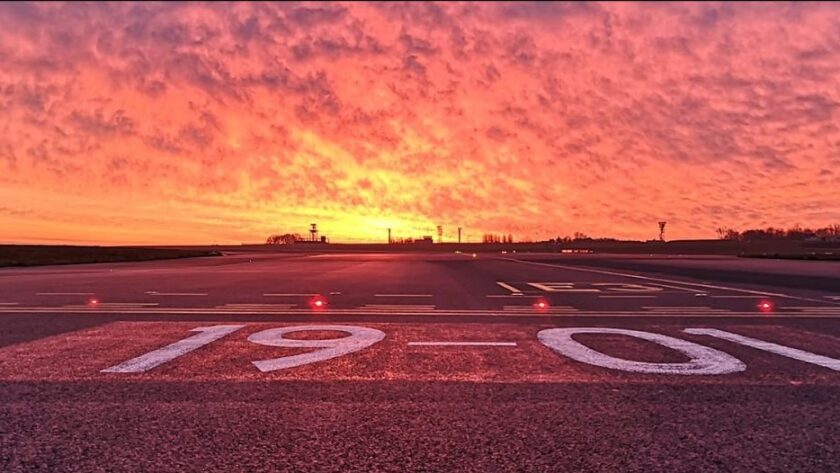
703	360
462	344
793	353
648	278
514	291
559	287
359	339
158	357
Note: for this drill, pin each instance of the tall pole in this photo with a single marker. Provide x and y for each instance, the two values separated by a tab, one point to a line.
459	234
389	237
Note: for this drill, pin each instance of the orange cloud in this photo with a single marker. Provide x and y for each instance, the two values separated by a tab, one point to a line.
196	123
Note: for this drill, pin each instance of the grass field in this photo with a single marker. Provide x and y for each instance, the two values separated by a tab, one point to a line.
37	255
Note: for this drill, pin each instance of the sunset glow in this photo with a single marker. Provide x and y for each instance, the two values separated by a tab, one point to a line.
136	123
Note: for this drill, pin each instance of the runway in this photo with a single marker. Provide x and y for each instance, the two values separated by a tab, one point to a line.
421	362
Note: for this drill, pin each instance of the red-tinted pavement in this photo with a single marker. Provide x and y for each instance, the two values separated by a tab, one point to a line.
132	387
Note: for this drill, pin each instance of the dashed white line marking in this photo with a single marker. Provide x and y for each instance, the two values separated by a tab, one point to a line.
64	293
514	291
793	353
289	295
117	305
155	293
462	344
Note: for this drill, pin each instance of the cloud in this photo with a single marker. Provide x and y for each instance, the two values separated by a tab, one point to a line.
538	119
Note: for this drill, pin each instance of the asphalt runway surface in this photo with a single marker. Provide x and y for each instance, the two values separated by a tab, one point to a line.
422	362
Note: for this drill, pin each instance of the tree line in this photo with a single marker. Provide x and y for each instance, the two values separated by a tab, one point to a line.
772	233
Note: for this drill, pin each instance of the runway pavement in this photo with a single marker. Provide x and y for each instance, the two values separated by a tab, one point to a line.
421	362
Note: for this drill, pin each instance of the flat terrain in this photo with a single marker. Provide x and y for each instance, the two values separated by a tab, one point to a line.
422	362
39	255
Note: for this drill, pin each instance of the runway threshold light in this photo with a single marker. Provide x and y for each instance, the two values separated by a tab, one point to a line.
541	304
318	303
765	306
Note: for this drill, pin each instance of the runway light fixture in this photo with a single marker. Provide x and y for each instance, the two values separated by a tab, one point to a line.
766	306
318	303
93	302
541	304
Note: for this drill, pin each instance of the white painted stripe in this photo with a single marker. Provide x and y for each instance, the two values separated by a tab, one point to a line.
9	303
170	352
399	306
402	295
686	289
559	287
793	353
506	296
510	288
155	293
64	293
289	295
834	298
103	305
813	308
627	297
462	344
734	297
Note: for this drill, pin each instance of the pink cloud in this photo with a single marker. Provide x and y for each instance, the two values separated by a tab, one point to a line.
600	118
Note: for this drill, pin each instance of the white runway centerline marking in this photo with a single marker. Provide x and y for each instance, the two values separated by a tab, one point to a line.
462	344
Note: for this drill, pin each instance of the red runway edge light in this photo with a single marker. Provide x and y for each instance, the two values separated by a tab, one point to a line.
318	303
541	304
93	302
765	306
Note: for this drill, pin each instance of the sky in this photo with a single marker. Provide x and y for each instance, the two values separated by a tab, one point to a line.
202	123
